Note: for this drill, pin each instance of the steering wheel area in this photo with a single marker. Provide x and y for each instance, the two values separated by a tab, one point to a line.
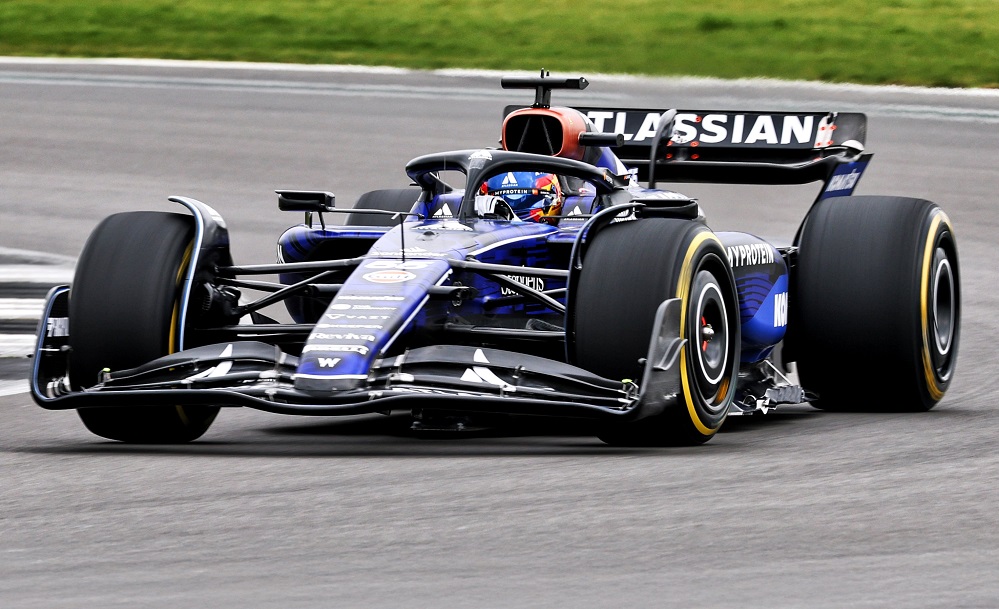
493	207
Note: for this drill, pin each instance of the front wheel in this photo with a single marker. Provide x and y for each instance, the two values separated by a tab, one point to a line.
628	271
124	311
877	294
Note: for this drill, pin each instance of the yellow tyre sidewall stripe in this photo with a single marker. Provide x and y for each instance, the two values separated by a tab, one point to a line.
683	293
929	372
175	321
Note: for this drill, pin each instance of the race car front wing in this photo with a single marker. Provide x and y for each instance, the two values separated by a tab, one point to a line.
454	377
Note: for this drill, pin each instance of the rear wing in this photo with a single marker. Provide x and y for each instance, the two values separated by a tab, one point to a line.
737	147
722	147
726	147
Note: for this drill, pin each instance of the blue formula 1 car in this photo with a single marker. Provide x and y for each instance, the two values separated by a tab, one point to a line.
547	277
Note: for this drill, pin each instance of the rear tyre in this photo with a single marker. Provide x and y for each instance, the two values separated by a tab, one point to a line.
390	199
877	293
124	308
628	271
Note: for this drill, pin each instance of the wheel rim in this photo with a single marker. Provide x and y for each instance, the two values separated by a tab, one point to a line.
943	310
943	313
710	342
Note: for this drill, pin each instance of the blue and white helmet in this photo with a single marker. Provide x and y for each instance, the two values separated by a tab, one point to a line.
533	195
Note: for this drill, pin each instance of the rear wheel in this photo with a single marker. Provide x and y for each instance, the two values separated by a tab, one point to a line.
628	271
877	293
124	311
390	199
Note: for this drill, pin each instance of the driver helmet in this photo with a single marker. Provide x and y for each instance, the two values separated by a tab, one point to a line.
533	196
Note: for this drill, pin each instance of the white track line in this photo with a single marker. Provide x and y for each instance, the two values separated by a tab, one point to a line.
35	273
17	345
13	387
21	309
469	73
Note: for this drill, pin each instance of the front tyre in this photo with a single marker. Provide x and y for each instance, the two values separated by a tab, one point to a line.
877	294
124	311
628	271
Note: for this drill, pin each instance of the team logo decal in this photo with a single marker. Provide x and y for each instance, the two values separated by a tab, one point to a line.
358	307
750	254
388	276
478	159
535	283
336	316
780	310
350	336
399	264
372	298
804	130
361	349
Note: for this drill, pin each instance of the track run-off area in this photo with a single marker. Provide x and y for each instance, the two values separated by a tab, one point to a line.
800	508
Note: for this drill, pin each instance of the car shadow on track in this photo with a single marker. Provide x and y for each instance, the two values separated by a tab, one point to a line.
375	436
775	419
383	437
378	436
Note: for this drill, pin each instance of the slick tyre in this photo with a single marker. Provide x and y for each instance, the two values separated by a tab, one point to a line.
877	294
124	311
629	269
389	199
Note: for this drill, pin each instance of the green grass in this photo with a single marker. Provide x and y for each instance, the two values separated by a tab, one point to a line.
944	43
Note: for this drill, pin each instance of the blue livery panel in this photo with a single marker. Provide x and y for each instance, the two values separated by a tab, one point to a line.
845	178
762	282
381	298
375	304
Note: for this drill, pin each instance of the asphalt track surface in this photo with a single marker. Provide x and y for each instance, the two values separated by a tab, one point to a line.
799	509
